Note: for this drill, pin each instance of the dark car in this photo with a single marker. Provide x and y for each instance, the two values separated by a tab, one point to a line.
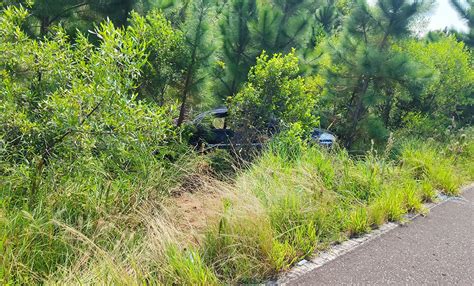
211	129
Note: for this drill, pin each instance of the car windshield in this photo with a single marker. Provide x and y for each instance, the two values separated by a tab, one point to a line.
317	132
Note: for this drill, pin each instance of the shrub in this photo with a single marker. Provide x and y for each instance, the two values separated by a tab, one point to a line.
76	144
275	95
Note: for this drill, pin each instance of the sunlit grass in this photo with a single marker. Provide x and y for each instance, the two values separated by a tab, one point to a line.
276	212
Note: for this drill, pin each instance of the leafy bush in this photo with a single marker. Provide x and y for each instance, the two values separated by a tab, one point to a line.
76	143
446	100
275	95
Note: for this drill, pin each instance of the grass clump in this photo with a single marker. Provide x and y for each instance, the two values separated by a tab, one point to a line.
358	222
240	248
188	268
313	197
428	160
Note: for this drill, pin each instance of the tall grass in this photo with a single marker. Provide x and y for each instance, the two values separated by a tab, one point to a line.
92	228
82	194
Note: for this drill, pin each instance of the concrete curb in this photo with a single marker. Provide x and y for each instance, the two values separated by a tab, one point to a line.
320	258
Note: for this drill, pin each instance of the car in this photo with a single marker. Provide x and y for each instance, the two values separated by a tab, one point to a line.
212	130
323	137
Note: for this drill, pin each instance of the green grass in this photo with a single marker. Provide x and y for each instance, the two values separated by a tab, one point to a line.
319	197
187	268
428	160
93	227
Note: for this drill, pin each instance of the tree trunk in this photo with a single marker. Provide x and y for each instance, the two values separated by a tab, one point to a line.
191	68
387	107
44	26
184	96
358	111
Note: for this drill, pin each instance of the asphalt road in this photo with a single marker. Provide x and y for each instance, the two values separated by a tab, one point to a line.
434	250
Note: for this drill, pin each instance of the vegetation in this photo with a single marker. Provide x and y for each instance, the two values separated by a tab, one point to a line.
274	92
99	184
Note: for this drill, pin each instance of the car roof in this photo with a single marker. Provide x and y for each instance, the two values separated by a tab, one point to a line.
320	130
219	112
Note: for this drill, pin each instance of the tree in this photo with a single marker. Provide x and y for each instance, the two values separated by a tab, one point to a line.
74	14
250	27
166	58
448	96
282	25
195	28
237	53
329	15
366	71
466	13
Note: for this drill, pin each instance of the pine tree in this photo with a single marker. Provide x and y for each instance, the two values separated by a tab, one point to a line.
466	13
116	10
49	12
74	14
366	70
196	30
250	27
166	57
283	24
330	14
237	53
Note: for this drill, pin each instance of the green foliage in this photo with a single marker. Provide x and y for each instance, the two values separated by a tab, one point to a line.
68	106
461	147
302	207
289	143
448	95
250	27
358	222
89	146
167	56
237	52
74	15
274	92
195	27
428	160
30	244
238	249
282	25
466	13
366	73
76	142
187	268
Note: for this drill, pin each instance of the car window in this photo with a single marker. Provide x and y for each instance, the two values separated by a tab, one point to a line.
218	123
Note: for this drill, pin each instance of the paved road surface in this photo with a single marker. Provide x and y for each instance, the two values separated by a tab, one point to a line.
435	250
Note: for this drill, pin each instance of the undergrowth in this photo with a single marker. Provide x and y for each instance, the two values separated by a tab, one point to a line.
280	209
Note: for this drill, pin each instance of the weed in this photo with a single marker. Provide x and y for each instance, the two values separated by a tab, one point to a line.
358	222
187	268
427	161
427	191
